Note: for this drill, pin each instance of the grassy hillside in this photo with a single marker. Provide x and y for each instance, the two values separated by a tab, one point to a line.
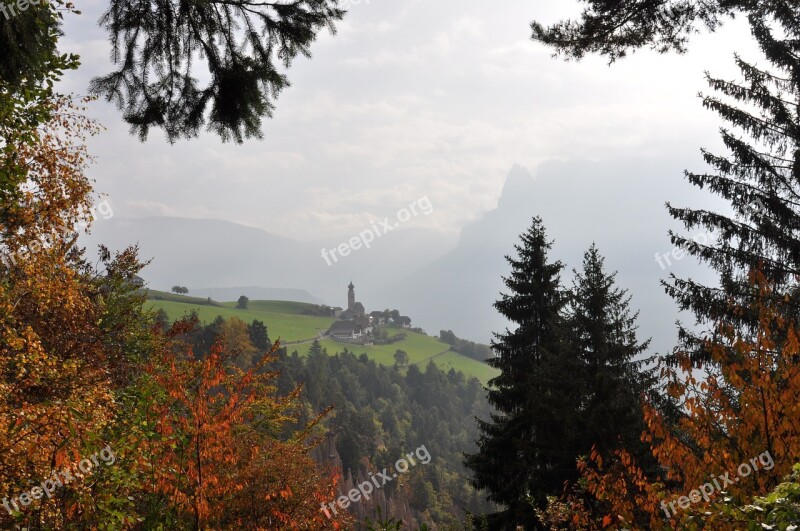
287	326
421	349
286	320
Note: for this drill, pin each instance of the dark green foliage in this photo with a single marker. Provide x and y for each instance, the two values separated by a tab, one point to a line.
615	27
316	309
30	66
759	177
205	336
162	320
381	337
570	382
163	47
380	415
476	351
380	523
28	45
525	451
400	358
448	337
259	336
604	332
242	302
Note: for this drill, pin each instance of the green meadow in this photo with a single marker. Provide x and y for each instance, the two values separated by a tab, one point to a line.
285	320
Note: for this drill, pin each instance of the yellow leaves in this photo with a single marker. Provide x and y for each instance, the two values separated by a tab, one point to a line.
54	371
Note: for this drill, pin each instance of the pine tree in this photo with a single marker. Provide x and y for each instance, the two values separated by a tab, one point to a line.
616	28
259	335
524	451
244	46
760	178
614	381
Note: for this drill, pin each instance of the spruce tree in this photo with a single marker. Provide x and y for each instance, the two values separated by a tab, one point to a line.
218	64
618	27
525	451
614	376
759	177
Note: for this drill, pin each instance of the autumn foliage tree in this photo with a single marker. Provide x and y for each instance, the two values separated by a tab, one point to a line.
83	366
51	396
214	455
745	407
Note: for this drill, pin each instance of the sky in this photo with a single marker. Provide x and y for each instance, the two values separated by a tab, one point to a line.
410	99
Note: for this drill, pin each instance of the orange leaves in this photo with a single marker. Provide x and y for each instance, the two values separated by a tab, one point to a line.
196	450
214	461
596	457
745	404
55	386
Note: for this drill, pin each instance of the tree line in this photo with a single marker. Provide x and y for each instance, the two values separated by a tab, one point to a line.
726	394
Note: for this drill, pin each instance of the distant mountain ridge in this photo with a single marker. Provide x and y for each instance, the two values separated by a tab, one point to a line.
256	293
440	283
220	256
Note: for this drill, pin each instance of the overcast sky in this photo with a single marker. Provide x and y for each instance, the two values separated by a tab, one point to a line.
411	98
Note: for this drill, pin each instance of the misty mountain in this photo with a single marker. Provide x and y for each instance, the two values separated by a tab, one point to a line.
440	283
457	290
219	256
256	293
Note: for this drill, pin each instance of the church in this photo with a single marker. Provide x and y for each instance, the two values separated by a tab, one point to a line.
354	321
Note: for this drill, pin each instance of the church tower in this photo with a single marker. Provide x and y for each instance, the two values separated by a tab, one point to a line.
351	296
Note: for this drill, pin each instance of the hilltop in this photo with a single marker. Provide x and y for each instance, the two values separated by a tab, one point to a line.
297	326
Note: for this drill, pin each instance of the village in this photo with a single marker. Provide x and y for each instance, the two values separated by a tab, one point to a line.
355	325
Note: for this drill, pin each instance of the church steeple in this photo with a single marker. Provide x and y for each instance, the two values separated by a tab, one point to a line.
351	296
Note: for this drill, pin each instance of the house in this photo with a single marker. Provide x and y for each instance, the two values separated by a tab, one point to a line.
345	330
364	323
403	321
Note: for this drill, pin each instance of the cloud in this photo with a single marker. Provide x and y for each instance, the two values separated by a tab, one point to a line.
410	98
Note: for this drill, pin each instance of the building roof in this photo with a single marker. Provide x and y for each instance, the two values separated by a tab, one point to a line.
344	326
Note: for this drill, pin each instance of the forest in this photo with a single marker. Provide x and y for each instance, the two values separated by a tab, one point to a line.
113	416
